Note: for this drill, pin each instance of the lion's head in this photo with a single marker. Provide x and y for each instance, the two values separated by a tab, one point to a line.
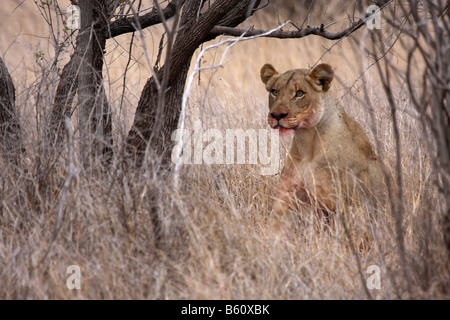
296	96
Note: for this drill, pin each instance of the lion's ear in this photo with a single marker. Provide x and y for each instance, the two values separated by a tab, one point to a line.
267	72
321	76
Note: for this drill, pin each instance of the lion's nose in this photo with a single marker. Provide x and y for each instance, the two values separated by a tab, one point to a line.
278	115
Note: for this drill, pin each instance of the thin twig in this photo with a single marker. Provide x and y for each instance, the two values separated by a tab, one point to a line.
197	69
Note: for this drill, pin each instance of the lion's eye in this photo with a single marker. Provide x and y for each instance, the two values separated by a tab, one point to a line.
299	93
274	92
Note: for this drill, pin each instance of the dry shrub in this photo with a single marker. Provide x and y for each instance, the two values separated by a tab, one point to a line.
136	235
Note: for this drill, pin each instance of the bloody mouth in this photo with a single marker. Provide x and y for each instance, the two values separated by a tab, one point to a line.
284	130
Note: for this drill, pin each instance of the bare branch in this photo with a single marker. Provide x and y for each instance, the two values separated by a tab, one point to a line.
281	34
299	33
197	68
126	25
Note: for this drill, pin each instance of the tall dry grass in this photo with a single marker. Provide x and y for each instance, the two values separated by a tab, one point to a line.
215	240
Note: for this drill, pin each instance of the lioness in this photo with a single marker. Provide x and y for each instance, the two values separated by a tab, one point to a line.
330	154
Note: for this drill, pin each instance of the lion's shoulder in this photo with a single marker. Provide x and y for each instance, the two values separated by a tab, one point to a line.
359	137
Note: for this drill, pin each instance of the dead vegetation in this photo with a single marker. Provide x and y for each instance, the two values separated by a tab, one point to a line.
137	235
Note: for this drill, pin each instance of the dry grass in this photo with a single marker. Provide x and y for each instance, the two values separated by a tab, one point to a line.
216	244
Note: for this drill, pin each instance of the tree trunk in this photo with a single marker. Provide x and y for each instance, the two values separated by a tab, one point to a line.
10	138
94	115
153	127
65	93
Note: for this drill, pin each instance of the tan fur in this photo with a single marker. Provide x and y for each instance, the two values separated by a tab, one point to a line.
330	154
